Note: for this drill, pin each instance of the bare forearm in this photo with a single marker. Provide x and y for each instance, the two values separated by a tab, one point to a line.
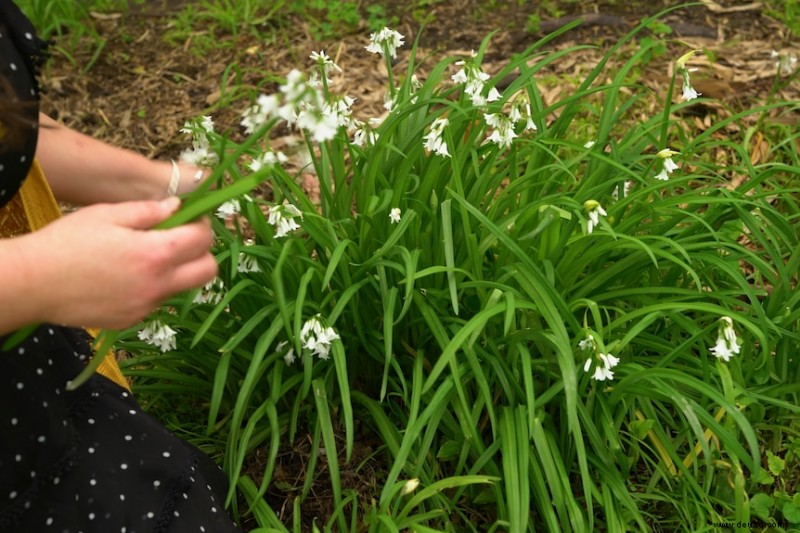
83	170
18	286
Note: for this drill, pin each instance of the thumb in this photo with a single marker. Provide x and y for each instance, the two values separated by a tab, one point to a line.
144	215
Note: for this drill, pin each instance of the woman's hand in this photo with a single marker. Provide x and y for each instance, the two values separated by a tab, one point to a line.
104	266
190	177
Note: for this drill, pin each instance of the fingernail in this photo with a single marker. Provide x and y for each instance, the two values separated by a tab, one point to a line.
171	204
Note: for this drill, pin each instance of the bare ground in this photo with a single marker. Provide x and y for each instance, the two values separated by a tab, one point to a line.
142	88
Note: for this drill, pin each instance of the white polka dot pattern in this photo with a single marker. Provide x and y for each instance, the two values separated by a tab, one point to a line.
126	471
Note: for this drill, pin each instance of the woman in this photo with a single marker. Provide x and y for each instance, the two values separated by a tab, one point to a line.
88	460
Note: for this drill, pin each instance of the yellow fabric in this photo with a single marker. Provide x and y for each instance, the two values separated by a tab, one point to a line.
37	199
32	208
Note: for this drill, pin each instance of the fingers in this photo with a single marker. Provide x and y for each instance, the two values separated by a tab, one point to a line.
142	215
183	243
186	251
194	273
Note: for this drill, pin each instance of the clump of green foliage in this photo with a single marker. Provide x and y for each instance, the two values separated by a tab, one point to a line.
464	285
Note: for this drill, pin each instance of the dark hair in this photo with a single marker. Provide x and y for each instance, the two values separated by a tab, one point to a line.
16	116
19	111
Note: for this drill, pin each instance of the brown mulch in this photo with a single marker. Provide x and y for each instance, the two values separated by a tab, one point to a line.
142	88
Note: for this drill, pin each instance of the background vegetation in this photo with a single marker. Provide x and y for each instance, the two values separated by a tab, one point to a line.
465	326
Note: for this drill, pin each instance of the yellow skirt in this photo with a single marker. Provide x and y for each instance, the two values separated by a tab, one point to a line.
32	208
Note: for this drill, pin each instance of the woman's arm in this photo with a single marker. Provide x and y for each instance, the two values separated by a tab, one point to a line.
101	266
82	170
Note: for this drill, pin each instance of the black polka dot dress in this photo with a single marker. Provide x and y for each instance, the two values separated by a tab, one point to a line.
90	460
20	53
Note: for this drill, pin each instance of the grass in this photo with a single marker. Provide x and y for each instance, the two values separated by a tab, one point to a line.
464	327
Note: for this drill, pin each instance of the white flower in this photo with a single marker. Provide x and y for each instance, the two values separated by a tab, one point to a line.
474	79
289	357
434	141
339	109
365	135
609	360
199	128
322	126
212	292
317	338
602	371
304	104
323	60
200	153
503	133
394	215
727	344
721	350
247	263
295	88
258	114
786	64
389	101
521	110
160	335
668	164
229	209
327	335
593	210
410	486
266	160
311	326
385	40
688	91
589	144
668	167
728	332
587	343
282	217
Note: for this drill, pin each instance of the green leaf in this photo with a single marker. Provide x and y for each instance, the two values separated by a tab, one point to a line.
791	512
18	336
103	344
761	504
776	464
449	450
640	428
203	202
762	477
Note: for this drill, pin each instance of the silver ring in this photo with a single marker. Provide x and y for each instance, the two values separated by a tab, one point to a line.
174	180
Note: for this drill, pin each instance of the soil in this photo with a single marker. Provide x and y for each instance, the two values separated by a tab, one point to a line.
148	78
